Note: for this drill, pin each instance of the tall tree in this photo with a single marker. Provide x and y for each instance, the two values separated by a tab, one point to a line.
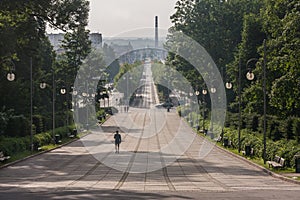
23	38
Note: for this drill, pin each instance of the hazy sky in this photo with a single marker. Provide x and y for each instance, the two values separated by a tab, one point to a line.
112	17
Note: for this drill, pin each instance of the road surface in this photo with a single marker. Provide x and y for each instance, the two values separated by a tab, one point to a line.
160	158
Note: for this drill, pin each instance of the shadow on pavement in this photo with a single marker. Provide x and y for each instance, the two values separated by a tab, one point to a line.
92	194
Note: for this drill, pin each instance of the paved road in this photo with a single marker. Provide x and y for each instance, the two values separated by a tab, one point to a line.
160	158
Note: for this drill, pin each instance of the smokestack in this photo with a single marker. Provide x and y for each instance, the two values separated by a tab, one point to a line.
156	31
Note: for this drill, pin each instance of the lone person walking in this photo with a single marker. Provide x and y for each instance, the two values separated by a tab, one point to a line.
118	140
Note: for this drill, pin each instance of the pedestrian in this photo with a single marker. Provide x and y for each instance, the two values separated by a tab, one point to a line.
118	140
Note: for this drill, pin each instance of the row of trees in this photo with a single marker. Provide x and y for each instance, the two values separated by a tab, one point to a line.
233	32
24	43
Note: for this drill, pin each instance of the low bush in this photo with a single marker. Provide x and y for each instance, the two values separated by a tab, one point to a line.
17	125
283	148
13	145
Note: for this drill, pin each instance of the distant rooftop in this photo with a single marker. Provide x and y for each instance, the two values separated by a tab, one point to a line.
56	40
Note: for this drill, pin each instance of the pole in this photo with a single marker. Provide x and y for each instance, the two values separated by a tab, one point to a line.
67	104
31	105
265	102
198	115
127	99
53	104
87	109
203	124
240	117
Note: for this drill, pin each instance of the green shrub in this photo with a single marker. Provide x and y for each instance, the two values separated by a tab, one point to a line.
288	150
288	132
42	139
18	126
38	122
277	130
12	145
296	129
273	130
234	120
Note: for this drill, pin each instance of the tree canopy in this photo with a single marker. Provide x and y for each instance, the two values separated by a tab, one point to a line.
233	31
24	43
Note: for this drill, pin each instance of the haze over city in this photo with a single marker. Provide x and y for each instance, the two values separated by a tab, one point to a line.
114	17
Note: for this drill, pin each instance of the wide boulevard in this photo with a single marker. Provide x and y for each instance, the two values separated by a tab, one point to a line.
160	157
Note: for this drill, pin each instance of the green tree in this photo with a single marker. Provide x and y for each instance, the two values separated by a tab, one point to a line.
23	39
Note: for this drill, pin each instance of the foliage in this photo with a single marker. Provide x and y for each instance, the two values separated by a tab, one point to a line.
278	23
18	125
233	33
24	44
112	63
13	145
216	25
283	148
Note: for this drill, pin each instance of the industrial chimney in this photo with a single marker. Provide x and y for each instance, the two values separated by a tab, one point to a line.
156	31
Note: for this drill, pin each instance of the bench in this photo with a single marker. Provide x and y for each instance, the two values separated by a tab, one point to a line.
278	162
2	157
73	134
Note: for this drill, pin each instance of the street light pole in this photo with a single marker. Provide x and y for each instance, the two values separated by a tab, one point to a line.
31	102
204	92
250	76
240	117
198	121
53	104
265	102
10	75
87	108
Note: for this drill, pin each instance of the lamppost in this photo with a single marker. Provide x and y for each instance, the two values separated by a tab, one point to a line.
250	76
204	92
11	75
43	85
66	90
228	86
197	93
239	96
89	96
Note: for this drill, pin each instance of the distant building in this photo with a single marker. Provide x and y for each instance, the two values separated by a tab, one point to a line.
120	49
56	41
96	39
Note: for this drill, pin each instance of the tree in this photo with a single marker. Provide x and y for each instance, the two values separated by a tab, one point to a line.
217	26
23	38
283	28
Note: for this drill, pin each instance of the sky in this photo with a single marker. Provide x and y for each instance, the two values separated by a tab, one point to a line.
115	18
